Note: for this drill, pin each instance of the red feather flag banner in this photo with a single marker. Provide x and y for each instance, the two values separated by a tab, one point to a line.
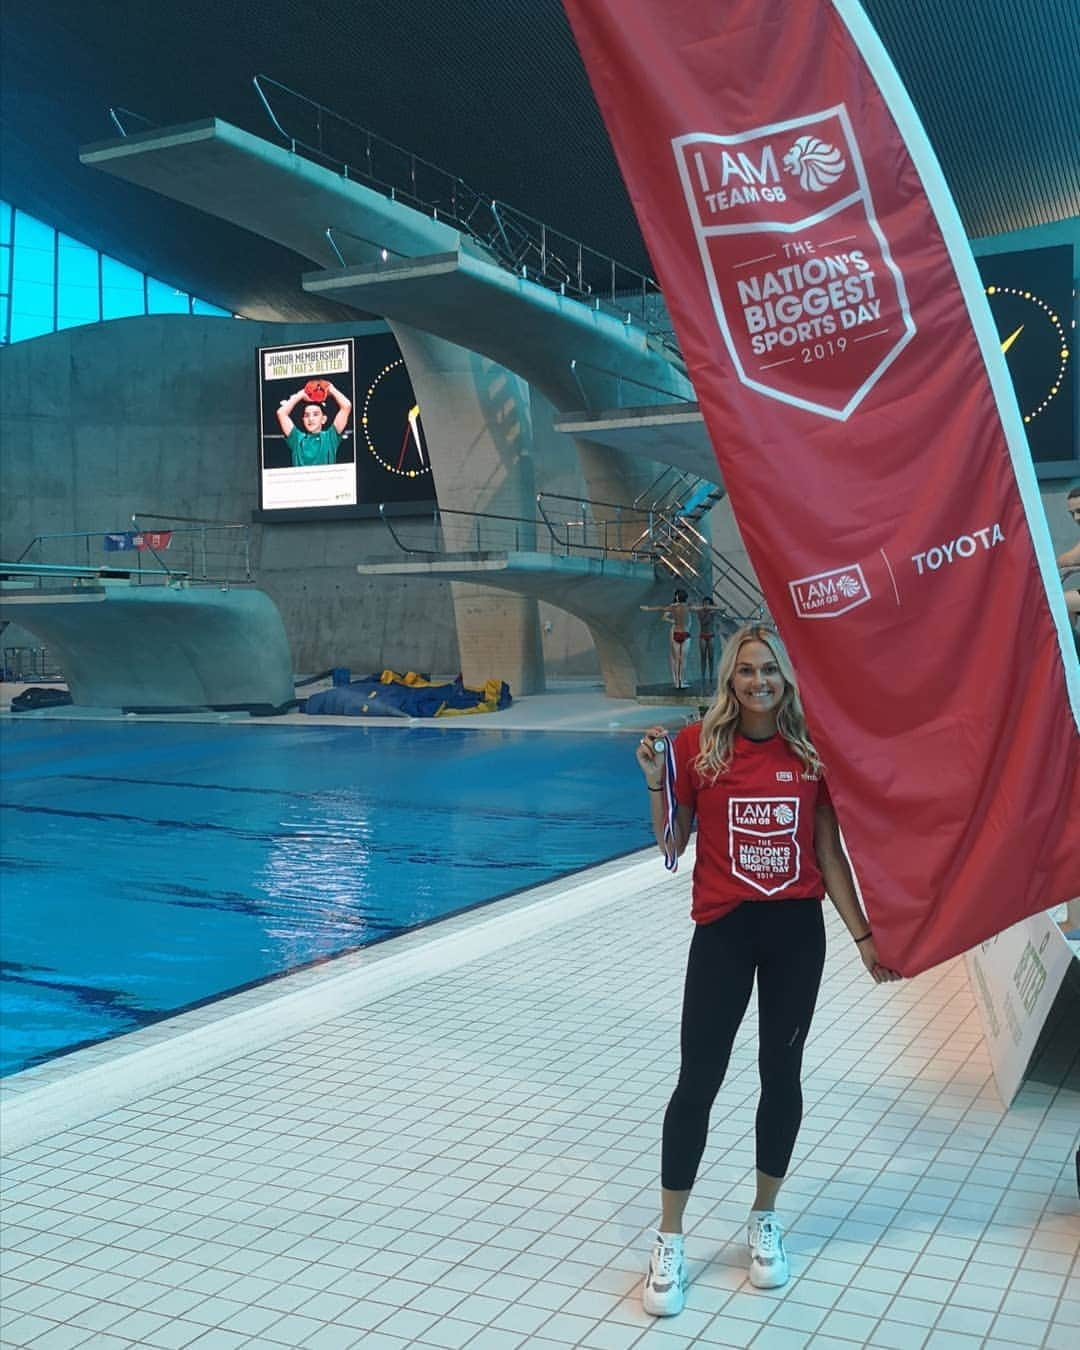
851	381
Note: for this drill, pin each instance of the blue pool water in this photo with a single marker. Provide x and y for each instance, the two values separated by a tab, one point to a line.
147	867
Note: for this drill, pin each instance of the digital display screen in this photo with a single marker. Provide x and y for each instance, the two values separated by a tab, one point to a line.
1030	294
340	428
307	405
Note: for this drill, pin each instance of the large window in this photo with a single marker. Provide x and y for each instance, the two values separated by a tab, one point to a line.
49	280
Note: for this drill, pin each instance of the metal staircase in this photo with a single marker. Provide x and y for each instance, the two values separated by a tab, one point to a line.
701	501
675	503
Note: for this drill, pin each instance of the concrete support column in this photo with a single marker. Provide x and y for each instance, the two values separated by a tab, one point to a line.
628	656
614	477
618	665
479	434
498	636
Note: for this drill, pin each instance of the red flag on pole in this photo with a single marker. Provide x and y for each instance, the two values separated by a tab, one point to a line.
156	539
849	374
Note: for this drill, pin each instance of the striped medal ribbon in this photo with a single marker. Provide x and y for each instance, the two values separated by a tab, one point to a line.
671	852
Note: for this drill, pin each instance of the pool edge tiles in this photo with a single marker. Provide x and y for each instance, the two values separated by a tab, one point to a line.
68	1091
584	710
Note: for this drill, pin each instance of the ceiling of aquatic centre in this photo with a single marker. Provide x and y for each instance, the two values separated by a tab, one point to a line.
491	90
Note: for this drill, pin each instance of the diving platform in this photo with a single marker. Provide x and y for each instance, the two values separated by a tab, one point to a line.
457	301
570	350
231	174
673	433
402	264
605	593
146	643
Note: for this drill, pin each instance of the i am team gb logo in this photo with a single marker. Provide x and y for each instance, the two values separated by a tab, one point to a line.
762	841
811	305
826	595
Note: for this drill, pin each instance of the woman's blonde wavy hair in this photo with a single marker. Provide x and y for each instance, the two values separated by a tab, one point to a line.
720	723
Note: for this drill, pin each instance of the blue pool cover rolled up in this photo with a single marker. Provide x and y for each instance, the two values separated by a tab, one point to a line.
378	696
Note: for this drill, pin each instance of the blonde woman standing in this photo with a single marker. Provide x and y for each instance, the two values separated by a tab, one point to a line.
768	848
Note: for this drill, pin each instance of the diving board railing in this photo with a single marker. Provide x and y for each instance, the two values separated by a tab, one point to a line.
670	539
676	491
575	531
118	115
619	379
450	531
153	549
523	245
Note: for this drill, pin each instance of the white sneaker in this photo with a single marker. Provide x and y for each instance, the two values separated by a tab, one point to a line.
768	1260
665	1285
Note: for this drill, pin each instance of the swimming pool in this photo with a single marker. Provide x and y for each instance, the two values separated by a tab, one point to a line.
149	866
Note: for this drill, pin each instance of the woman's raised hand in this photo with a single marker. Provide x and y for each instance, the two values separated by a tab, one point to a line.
651	760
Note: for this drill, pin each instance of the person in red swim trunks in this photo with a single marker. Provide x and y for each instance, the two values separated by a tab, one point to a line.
768	849
678	615
707	612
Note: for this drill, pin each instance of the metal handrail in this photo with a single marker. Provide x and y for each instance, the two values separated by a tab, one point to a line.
199	528
533	524
114	117
519	242
657	523
663	539
665	472
566	541
436	519
372	139
683	567
86	536
620	377
688	566
683	487
332	231
203	524
730	573
588	502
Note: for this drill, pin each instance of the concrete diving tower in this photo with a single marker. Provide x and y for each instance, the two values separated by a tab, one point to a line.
433	278
604	593
572	352
672	433
228	173
453	308
153	647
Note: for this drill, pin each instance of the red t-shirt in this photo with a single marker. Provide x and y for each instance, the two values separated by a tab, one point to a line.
755	825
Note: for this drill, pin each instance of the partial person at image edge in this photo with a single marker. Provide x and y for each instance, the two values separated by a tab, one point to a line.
1068	562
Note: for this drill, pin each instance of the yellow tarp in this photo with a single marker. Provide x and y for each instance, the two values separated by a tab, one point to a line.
489	703
490	691
410	678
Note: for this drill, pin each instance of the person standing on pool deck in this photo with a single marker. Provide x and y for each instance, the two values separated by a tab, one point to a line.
316	444
768	847
678	615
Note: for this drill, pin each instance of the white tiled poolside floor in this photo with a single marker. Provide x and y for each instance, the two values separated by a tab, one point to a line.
471	1161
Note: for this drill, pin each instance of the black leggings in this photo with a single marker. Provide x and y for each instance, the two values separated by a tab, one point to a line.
784	942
